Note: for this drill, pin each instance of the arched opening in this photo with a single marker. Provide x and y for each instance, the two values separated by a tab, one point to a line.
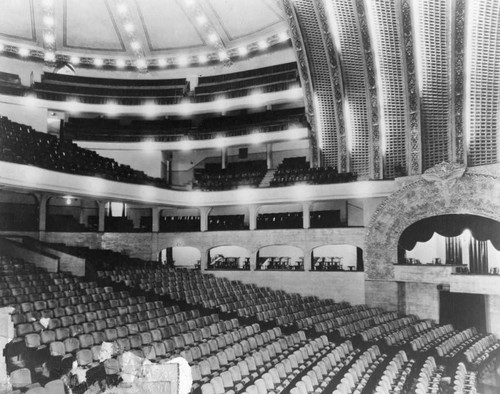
181	257
229	257
337	258
470	241
280	258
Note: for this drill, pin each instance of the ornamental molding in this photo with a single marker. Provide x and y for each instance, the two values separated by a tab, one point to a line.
337	85
459	75
304	73
448	189
375	148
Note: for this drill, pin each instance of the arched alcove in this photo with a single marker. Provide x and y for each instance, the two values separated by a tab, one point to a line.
337	258
280	257
439	191
229	257
181	257
71	214
468	240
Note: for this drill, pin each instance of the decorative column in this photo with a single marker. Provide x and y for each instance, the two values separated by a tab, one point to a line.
155	219
223	157
204	211
269	156
102	215
253	211
306	214
42	212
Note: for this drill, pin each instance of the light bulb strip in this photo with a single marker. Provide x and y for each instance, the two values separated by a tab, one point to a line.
233	54
49	32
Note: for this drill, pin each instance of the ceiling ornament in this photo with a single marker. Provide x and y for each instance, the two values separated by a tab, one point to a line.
49	32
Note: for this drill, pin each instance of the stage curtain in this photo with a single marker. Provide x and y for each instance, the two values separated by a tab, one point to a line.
478	256
482	229
453	250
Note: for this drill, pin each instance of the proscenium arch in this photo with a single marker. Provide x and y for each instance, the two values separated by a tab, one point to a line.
474	193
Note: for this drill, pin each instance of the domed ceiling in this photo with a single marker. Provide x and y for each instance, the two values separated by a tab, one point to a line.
132	28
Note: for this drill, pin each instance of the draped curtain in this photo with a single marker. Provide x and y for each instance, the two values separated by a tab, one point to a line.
478	256
453	250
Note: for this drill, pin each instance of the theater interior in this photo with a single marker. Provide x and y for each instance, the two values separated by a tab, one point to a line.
250	196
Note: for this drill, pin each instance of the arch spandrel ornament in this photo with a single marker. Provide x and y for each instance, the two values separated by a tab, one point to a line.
443	189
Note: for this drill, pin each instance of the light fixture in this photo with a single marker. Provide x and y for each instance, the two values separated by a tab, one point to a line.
74	60
48	20
201	19
182	61
202	59
23	52
2	47
29	100
162	62
120	63
122	9
50	56
263	45
49	38
129	27
213	38
283	36
243	51
222	55
141	64
136	45
98	62
48	3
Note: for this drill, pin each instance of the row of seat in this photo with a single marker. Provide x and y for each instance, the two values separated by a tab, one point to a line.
22	144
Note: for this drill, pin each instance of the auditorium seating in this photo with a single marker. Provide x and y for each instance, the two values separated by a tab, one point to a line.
21	144
239	84
103	129
280	342
11	84
62	87
282	263
267	221
229	263
173	224
235	175
226	223
297	170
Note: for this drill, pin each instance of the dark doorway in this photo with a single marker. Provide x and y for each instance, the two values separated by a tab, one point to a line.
463	310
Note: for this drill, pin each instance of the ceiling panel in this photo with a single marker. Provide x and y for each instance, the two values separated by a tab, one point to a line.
242	18
167	26
16	19
90	25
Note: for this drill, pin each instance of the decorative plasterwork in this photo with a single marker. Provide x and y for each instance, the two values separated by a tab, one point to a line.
458	75
444	189
375	150
337	86
304	72
414	139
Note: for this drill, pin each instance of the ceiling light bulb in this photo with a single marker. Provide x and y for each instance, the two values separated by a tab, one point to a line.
129	27
162	62
201	19
202	59
263	44
2	47
98	62
50	56
24	52
135	45
283	36
243	51
48	20
49	38
120	63
212	37
122	8
182	61
74	59
141	63
222	55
